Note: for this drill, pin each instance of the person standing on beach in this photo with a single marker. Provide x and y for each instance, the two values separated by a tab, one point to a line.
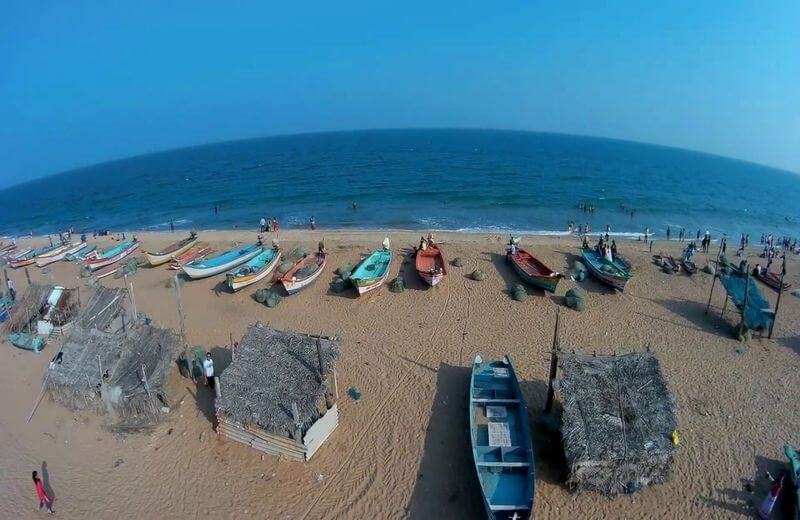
208	368
216	210
262	225
313	223
44	500
668	233
12	293
275	224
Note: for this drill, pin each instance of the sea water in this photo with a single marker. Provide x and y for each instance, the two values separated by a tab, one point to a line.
465	180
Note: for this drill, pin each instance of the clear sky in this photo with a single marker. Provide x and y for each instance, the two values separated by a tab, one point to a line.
83	82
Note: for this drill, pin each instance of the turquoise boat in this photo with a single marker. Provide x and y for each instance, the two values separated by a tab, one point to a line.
221	262
372	271
112	254
607	272
26	341
500	438
81	253
794	461
255	269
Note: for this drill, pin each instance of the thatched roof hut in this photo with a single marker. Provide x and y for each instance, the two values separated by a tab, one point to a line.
28	308
111	362
617	423
278	395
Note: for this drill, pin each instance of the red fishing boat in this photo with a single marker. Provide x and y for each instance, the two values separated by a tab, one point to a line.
533	271
430	264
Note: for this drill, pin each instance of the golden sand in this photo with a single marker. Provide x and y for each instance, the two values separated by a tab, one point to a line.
402	450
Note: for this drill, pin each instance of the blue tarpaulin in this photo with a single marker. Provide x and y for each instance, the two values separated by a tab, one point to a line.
758	315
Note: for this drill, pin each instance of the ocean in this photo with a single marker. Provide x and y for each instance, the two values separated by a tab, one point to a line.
463	180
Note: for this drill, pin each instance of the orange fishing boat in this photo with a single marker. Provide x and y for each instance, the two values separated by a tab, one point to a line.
430	265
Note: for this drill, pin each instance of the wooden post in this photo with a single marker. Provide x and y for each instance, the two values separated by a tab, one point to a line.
217	390
714	281
724	306
133	299
553	365
28	276
335	385
298	431
746	290
182	319
233	352
319	360
778	303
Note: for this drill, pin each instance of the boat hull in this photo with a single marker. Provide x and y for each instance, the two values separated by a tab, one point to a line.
366	284
60	256
26	341
431	279
547	283
108	270
430	265
295	286
197	273
500	440
98	263
616	280
156	258
240	282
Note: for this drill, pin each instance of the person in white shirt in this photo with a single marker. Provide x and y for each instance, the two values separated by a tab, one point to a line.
208	368
11	292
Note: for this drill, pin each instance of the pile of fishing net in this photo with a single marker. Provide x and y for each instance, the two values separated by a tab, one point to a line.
796	293
268	297
85	272
519	293
478	275
342	279
398	285
666	268
129	269
458	262
298	252
284	267
579	271
575	299
306	271
709	269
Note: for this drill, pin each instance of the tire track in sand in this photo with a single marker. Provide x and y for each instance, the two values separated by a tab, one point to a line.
368	427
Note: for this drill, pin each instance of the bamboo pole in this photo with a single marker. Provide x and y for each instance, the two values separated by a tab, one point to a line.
778	303
182	319
553	365
746	290
714	281
724	306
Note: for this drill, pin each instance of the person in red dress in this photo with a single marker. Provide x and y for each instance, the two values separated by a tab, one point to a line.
44	500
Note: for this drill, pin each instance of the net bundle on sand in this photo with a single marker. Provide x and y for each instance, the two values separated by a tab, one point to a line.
617	423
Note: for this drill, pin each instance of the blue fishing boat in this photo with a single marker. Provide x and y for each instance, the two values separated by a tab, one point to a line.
254	269
221	262
372	271
112	255
607	272
501	440
26	341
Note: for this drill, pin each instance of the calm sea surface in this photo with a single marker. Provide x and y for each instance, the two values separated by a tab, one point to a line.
467	180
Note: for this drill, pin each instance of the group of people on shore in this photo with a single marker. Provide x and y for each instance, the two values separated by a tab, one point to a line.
268	225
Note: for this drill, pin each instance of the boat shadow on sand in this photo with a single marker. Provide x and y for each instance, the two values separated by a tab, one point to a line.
446	484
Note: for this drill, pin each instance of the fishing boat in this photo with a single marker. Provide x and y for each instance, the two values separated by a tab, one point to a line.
168	253
500	439
623	263
16	255
197	252
54	251
108	270
689	266
255	269
430	264
41	262
221	262
604	270
772	279
372	271
304	272
26	341
794	462
80	254
533	271
31	256
112	254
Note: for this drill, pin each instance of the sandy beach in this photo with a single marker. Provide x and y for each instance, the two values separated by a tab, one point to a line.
402	450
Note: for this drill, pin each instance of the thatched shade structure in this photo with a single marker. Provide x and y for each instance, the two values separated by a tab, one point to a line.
617	423
278	394
28	309
112	363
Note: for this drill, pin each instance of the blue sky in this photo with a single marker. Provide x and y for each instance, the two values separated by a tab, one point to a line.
84	82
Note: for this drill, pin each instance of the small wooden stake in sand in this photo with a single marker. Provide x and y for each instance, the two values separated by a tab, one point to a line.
778	303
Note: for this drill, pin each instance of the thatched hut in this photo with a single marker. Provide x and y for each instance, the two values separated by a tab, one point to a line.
617	423
28	309
278	395
111	363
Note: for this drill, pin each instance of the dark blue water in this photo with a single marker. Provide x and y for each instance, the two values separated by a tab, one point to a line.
469	180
